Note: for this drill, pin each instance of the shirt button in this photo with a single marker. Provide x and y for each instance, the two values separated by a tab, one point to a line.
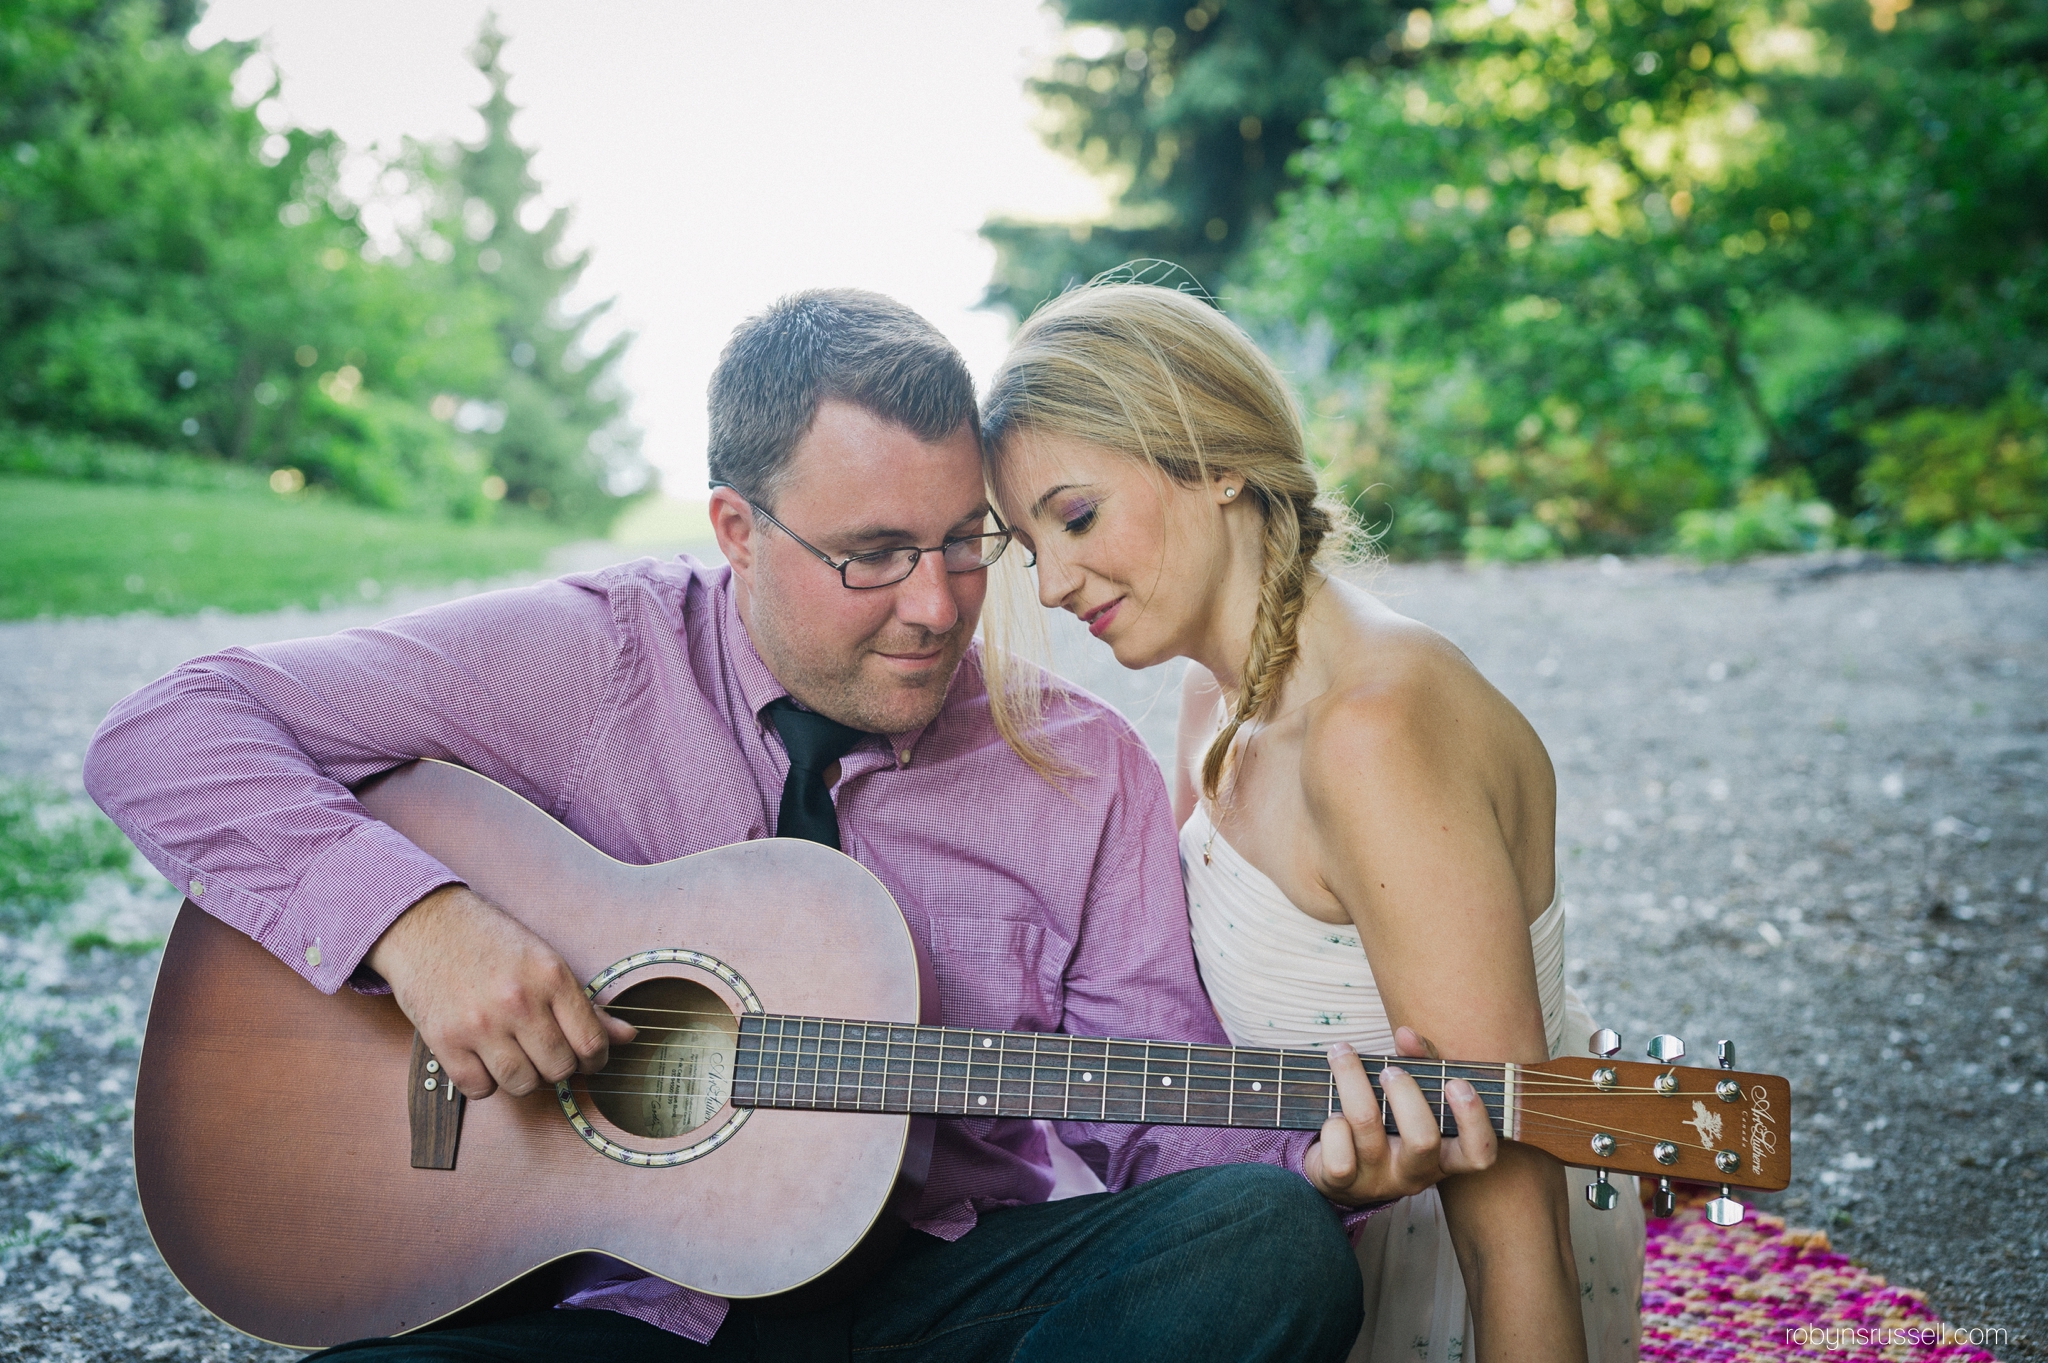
197	889
313	954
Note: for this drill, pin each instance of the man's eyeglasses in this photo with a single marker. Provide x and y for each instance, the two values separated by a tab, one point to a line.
887	567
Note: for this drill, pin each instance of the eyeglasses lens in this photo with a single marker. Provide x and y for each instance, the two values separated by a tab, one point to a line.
891	566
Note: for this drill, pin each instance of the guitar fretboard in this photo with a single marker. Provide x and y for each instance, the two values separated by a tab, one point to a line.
846	1066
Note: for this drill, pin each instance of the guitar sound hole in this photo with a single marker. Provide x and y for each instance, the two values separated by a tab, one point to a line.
677	1074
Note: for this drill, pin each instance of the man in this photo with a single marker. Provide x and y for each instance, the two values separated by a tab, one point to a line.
822	686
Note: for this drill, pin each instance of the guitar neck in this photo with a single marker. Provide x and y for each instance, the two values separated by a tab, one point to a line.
836	1065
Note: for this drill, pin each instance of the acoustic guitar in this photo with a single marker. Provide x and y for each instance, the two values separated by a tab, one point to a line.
311	1177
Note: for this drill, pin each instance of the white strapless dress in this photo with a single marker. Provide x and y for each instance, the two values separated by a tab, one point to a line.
1280	978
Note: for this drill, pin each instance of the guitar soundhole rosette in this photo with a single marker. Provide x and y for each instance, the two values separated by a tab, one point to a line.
604	1145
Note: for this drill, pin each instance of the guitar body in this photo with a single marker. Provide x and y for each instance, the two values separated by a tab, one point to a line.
273	1125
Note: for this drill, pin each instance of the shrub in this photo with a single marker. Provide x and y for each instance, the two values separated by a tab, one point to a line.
1770	519
1527	540
1961	484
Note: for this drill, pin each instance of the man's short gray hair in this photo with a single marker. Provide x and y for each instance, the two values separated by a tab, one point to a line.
845	344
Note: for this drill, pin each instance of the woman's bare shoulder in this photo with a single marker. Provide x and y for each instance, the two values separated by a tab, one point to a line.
1401	692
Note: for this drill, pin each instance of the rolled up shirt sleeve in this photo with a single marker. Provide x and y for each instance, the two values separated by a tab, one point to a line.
233	773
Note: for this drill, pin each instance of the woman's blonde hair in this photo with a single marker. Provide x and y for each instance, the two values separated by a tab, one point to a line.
1163	377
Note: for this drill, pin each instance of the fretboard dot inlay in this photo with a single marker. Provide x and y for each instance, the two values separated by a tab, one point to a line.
1166	1082
983	1100
988	1041
1257	1086
1087	1078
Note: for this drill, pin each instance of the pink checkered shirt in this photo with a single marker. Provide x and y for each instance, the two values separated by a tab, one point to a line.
627	704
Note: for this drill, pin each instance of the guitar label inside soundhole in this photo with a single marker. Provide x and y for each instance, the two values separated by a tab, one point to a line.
676	1075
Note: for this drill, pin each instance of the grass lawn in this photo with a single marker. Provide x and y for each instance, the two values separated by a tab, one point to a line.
101	549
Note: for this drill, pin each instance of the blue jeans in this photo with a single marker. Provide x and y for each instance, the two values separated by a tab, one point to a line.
1241	1262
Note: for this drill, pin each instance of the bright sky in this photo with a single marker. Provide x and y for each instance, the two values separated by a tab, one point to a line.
717	155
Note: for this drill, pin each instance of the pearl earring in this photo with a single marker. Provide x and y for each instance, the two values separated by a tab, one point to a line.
1230	492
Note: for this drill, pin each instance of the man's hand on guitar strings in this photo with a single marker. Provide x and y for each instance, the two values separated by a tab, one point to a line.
498	1006
1355	1161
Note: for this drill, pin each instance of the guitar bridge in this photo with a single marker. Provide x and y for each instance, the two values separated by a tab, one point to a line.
435	1106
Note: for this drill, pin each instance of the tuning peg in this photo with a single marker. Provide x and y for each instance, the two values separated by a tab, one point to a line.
1604	1043
1724	1210
1665	1202
1667	1049
1602	1194
1726	1051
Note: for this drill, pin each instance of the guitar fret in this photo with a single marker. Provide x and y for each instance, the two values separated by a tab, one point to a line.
1052	1076
742	1090
1166	1082
945	1080
1090	1058
1210	1096
875	1084
826	1064
809	1041
1014	1070
1123	1093
793	1055
984	1075
902	1062
842	1053
961	1047
847	1057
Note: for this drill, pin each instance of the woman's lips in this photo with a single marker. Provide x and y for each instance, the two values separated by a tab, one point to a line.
1098	619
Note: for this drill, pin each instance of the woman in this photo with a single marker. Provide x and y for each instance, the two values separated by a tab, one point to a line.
1367	824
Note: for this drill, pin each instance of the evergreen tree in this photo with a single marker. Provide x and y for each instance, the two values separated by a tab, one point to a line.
554	426
1195	109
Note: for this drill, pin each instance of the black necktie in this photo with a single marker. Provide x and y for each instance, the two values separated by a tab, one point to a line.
814	743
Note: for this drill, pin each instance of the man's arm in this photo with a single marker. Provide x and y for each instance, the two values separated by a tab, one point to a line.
232	774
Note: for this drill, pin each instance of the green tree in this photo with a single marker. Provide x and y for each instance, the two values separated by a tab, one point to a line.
1576	266
1922	149
1192	113
180	271
138	224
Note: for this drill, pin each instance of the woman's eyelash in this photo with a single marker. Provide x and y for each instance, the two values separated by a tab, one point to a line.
1080	520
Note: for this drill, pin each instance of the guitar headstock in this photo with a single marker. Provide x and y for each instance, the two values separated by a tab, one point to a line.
1660	1118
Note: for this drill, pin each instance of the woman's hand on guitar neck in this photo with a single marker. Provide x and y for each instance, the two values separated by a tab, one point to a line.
499	1007
1355	1161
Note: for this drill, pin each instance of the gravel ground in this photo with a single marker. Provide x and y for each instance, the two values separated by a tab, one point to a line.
1802	806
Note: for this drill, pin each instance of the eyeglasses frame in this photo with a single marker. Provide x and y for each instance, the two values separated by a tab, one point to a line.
917	552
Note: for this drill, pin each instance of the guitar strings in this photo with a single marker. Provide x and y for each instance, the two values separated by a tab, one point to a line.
1412	1063
875	1066
1530	1082
845	1076
864	1082
856	1074
1527	1083
1531	1123
860	1058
